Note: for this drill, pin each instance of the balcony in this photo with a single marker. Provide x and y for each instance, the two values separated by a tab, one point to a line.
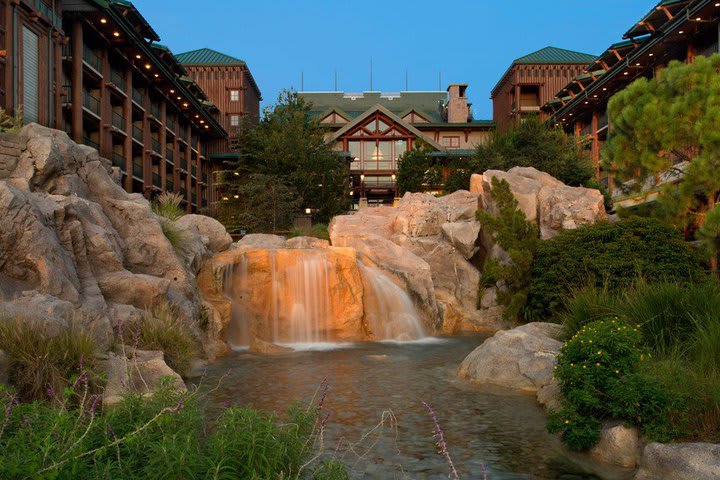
155	111
156	147
204	177
204	203
118	79
169	186
156	180
46	9
92	58
137	170
91	143
138	97
193	170
118	160
183	164
137	133
194	199
170	123
169	155
118	121
91	103
183	193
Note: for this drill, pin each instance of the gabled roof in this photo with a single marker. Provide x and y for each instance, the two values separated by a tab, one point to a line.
554	55
208	57
426	104
379	108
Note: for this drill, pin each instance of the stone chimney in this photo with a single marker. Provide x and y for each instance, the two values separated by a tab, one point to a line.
458	108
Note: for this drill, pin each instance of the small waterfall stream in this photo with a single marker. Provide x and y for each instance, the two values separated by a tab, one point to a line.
294	306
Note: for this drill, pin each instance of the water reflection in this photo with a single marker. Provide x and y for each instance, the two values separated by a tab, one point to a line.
482	425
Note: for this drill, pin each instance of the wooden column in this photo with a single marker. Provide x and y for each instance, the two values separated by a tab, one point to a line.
57	87
77	82
105	136
146	159
163	143
188	160
595	149
127	108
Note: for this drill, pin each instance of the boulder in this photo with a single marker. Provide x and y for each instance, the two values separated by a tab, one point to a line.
218	239
267	348
260	240
522	358
306	242
136	371
549	395
464	236
618	445
681	461
140	291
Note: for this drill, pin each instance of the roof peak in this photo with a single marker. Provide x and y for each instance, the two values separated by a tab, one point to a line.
550	54
207	56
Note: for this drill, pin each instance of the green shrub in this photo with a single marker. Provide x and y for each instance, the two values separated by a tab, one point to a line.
519	238
167	205
600	376
40	362
163	329
607	255
165	436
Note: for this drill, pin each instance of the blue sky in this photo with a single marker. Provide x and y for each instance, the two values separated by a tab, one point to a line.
470	41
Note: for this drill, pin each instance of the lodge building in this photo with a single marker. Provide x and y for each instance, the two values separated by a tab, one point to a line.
673	30
95	69
531	81
373	129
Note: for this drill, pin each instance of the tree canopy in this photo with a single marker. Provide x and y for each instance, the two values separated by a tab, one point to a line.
532	143
283	167
670	123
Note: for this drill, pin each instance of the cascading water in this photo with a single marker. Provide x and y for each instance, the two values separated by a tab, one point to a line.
289	297
389	311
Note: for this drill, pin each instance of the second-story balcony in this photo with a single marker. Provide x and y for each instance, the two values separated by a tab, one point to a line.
156	180
156	146
91	143
138	97
91	102
92	58
169	186
118	160
183	164
137	133
118	121
137	170
155	111
170	123
117	78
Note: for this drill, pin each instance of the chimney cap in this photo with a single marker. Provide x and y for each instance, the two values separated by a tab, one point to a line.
457	85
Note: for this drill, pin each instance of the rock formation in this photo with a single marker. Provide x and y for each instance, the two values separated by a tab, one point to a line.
682	461
522	358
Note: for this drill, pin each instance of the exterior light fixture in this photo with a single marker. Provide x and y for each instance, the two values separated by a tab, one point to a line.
604	89
698	19
185	104
157	75
236	174
637	64
207	126
236	196
103	20
225	198
594	96
138	56
179	98
147	65
586	103
651	55
681	32
202	121
362	177
350	193
197	116
571	114
172	91
308	211
116	34
393	177
626	73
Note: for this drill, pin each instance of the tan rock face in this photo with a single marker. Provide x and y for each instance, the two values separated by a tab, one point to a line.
681	461
285	295
618	445
214	235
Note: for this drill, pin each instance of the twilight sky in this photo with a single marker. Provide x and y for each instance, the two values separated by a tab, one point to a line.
469	41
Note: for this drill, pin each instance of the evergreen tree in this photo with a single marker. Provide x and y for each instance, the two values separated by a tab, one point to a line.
416	171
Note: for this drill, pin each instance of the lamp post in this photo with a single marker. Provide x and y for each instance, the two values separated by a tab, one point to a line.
363	200
395	190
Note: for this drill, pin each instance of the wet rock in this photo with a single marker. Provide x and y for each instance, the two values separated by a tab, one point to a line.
306	242
549	395
260	240
618	445
140	291
522	358
267	348
681	461
463	236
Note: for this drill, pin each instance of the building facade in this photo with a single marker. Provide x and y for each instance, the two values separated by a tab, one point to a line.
229	85
95	69
373	129
533	80
673	30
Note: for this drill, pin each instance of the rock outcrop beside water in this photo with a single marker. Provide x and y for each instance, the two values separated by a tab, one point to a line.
681	461
521	359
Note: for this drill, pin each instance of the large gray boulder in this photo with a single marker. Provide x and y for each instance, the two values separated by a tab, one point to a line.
210	230
521	359
680	461
618	445
260	240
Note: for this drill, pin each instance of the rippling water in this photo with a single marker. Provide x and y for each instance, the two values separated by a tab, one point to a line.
483	426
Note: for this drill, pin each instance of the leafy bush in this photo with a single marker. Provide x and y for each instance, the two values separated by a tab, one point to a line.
160	437
11	123
533	144
167	205
519	238
416	170
681	328
600	378
608	255
163	329
41	361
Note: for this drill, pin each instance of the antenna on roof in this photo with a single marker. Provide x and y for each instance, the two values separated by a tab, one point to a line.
336	80
371	74
406	79
439	81
302	80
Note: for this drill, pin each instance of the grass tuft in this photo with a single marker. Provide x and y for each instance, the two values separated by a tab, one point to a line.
167	205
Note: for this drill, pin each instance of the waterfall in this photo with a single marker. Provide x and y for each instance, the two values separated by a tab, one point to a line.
389	311
288	297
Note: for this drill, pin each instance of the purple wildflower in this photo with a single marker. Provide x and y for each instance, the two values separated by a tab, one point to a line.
440	441
111	432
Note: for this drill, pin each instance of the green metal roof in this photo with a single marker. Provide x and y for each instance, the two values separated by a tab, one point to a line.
209	57
554	55
426	104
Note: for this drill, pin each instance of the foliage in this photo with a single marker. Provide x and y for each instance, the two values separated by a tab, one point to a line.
40	359
613	255
174	235
318	230
11	123
159	437
284	165
515	235
681	328
532	143
167	205
665	120
416	170
600	378
162	328
709	232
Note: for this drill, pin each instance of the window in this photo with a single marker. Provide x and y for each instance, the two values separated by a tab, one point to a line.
234	120
451	142
234	95
201	75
